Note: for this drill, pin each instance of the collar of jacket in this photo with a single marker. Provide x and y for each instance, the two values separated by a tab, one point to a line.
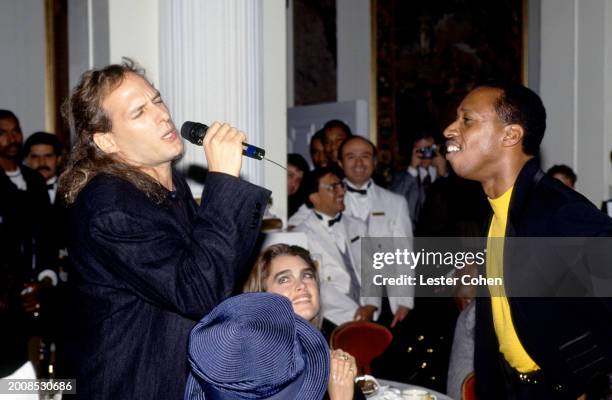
528	178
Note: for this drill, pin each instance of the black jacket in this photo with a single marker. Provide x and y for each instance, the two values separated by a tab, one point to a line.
25	233
146	273
569	338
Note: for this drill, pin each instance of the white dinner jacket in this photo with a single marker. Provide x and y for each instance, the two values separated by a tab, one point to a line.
337	305
389	218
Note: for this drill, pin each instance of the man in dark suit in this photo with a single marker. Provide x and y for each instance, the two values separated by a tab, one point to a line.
547	347
27	259
149	262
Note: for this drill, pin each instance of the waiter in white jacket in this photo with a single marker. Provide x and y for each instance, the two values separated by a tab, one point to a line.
385	213
334	240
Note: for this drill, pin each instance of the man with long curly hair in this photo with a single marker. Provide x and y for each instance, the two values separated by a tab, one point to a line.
149	261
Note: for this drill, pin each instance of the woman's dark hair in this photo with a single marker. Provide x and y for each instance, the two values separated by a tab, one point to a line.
298	161
295	200
563	170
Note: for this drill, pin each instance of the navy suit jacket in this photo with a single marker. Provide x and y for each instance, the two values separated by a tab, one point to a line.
146	273
569	338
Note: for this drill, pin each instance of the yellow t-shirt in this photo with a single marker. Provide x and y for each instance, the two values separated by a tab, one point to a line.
509	344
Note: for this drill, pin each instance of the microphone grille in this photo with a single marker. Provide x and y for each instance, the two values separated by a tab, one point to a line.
193	132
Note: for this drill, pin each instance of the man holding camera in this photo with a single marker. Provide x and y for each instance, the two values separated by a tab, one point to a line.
426	165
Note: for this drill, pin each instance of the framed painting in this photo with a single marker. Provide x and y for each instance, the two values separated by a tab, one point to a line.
430	54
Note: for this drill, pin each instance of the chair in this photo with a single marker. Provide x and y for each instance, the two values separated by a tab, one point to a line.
468	387
363	340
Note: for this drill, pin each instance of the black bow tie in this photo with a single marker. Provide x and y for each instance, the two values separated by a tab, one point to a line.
360	191
50	186
332	221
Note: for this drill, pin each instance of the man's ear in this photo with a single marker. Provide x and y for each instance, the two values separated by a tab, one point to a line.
314	198
513	135
105	142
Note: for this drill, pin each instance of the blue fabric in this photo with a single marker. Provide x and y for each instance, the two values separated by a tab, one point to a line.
146	273
253	346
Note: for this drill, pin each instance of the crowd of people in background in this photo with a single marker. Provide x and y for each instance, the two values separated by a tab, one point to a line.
34	268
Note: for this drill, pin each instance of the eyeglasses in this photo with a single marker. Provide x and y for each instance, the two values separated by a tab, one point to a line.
333	186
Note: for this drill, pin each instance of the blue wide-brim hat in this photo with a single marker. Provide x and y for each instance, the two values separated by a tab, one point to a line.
253	346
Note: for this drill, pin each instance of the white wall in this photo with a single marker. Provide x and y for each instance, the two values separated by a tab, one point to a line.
275	102
22	65
353	18
290	60
225	60
576	87
88	37
134	33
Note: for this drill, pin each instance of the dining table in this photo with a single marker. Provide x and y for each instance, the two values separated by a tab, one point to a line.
388	391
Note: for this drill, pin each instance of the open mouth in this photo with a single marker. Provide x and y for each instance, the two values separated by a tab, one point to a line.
302	299
452	147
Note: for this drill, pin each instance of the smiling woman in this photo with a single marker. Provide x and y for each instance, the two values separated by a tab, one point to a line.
291	272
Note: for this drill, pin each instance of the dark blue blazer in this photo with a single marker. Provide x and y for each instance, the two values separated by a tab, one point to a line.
146	273
569	338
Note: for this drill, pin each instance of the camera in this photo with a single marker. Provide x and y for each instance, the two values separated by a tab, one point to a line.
428	152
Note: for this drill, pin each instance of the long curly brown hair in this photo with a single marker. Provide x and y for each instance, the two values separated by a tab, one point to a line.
85	115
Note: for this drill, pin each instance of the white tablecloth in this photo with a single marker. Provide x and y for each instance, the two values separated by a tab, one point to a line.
402	386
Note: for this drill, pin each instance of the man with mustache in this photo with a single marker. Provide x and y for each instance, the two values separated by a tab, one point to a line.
43	153
27	258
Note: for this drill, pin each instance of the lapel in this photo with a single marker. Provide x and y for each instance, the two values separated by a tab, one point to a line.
525	184
323	237
354	230
377	200
376	222
527	179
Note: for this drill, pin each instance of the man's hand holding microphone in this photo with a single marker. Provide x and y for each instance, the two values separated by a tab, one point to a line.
223	148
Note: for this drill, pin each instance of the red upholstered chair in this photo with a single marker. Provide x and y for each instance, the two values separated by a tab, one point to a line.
363	340
468	387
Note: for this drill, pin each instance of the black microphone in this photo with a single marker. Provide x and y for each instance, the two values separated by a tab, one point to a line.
195	132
